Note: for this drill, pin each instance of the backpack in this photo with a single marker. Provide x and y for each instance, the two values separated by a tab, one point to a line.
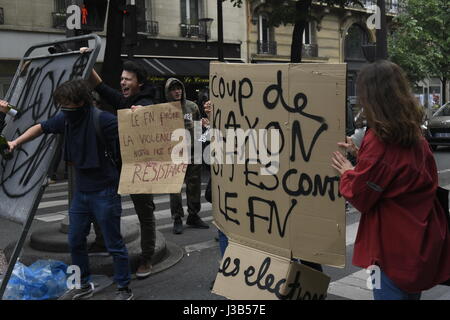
110	152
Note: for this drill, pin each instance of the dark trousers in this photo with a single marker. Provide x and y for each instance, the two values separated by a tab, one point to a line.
193	192
144	207
105	206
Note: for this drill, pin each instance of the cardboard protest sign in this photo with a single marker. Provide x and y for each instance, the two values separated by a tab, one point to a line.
148	165
283	198
267	277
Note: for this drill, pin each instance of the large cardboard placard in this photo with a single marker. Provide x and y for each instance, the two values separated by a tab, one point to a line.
297	212
267	277
148	165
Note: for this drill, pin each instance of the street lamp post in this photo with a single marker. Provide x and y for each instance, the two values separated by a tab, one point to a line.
220	31
381	33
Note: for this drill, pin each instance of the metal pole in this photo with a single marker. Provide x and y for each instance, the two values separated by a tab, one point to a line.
220	31
382	52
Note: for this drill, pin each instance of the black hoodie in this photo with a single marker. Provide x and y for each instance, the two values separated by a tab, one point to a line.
118	101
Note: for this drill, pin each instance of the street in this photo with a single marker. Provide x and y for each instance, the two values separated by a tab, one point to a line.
441	156
191	278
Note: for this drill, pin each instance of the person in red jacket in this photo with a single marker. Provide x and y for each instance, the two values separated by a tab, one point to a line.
403	228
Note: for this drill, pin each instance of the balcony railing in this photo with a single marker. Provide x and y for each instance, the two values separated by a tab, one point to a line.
189	30
310	50
59	20
267	47
152	28
391	5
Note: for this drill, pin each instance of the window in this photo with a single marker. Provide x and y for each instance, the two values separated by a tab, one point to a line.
392	6
60	6
2	16
191	11
266	44
149	10
307	36
356	36
59	14
264	29
141	8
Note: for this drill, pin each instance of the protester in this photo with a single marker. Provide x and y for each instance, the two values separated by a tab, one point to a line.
403	229
203	97
135	91
96	182
222	238
174	91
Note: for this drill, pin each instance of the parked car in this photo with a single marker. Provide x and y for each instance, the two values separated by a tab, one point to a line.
437	128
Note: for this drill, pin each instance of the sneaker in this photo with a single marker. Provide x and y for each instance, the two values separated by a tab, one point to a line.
195	221
178	226
97	250
124	294
144	269
79	294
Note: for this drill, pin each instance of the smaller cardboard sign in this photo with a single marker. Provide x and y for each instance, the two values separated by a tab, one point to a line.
148	163
249	274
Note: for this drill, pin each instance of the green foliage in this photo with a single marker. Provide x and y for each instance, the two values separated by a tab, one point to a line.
420	41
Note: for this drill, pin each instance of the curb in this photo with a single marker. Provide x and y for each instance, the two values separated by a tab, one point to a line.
444	178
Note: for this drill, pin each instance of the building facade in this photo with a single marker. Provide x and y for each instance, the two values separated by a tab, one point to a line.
179	38
176	38
23	23
334	35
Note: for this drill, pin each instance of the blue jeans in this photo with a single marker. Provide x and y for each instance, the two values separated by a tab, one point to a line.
389	291
105	206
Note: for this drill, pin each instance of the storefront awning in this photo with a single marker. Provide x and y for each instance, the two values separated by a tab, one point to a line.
176	67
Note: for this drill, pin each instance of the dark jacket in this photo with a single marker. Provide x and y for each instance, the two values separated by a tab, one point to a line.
2	121
118	101
94	171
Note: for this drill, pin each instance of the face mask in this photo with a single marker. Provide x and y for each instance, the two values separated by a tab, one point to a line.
73	115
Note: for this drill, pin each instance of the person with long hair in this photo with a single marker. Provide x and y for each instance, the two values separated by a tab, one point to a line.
403	229
97	179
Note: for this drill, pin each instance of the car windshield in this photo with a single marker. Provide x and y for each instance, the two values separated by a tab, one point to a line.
444	111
